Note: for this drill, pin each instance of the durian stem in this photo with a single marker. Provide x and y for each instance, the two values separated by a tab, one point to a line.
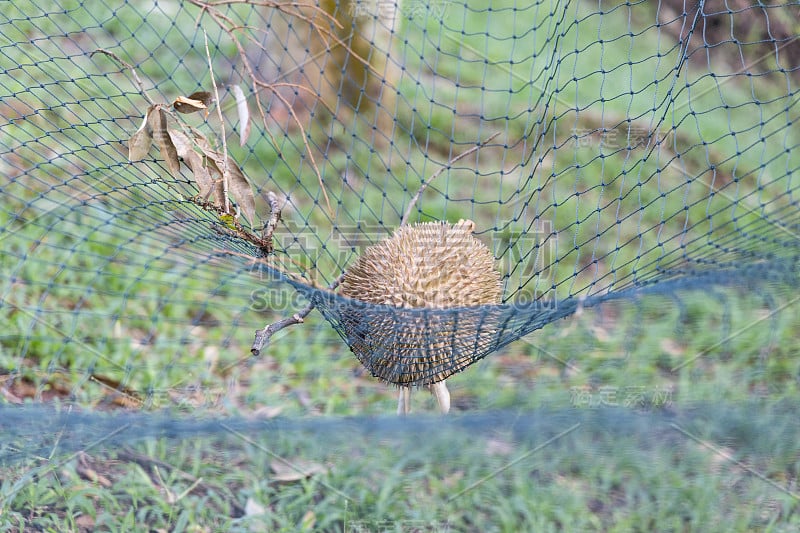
442	396
404	401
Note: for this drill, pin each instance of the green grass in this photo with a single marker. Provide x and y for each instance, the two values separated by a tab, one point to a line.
94	318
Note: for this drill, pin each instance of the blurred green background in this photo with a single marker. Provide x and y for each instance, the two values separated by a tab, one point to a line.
112	301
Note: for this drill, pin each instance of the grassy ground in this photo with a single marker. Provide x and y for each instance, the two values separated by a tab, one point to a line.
663	413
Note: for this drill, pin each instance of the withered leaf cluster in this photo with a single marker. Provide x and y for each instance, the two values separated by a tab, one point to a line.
217	177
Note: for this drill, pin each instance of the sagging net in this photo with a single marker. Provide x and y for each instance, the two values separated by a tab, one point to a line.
184	182
179	175
606	171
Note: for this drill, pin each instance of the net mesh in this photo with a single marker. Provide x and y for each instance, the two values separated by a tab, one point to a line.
629	162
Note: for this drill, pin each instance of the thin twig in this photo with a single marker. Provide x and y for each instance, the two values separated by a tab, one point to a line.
129	67
298	87
274	217
126	397
280	6
436	174
263	114
265	245
308	151
227	24
263	335
216	16
222	128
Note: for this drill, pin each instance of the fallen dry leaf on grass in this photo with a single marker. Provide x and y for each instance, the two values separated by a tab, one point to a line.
295	470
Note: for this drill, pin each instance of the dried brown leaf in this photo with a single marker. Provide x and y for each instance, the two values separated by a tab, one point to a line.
86	471
161	136
207	186
184	146
203	144
204	96
213	189
244	114
238	185
139	143
186	105
241	191
194	102
92	475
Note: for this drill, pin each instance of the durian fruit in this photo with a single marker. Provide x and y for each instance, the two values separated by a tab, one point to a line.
433	265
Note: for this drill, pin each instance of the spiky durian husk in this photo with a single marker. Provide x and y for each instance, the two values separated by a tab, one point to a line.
435	266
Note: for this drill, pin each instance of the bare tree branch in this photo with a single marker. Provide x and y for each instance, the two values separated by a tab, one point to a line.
230	27
449	165
130	68
222	128
263	335
274	217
